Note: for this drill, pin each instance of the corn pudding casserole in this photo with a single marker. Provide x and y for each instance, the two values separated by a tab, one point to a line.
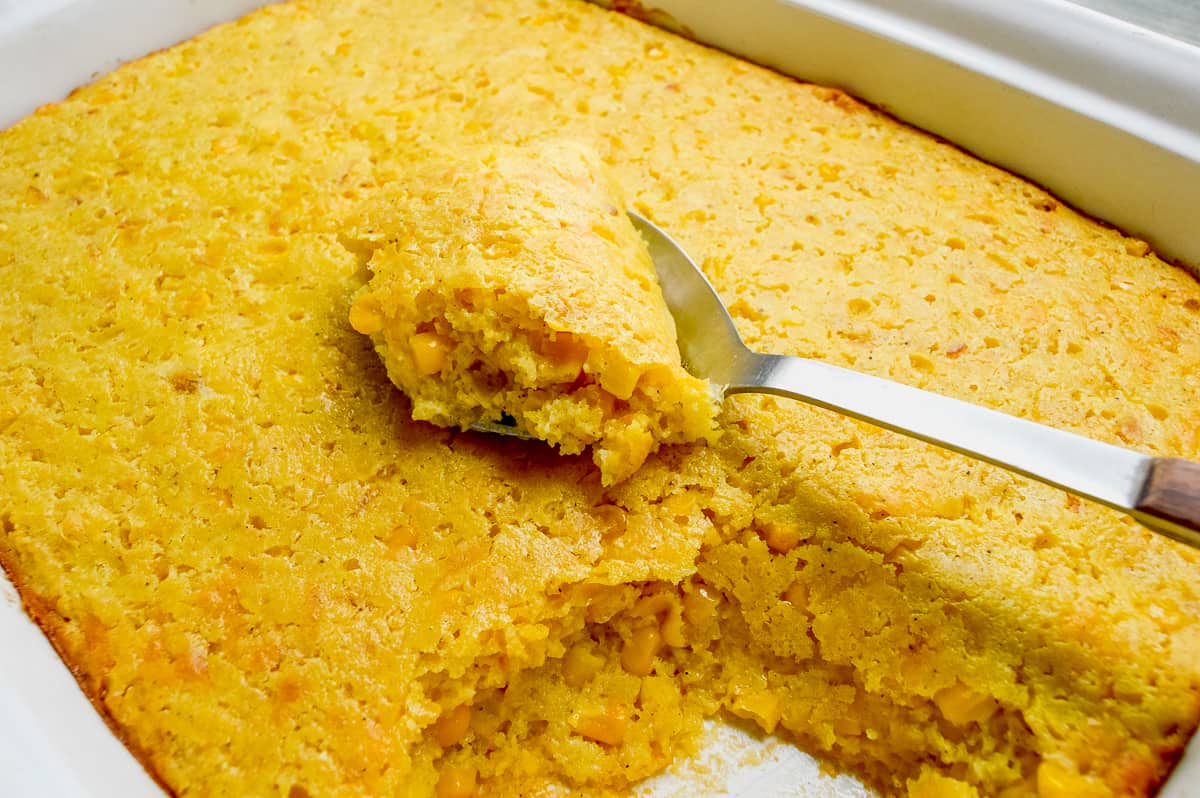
272	580
512	283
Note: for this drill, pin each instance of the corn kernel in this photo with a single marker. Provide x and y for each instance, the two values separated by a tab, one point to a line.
653	605
429	352
580	666
624	452
796	594
961	705
921	363
566	352
451	728
934	785
661	383
858	305
782	538
457	782
608	728
620	379
900	551
1059	780
658	695
35	196
829	171
366	316
612	518
1135	247
638	653
665	607
759	706
401	537
671	629
700	606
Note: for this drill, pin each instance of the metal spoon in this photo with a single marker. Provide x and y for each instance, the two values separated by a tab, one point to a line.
1159	492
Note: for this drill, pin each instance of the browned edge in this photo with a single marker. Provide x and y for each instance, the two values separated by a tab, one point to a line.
52	625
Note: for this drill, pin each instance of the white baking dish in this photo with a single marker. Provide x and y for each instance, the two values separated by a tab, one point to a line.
1104	114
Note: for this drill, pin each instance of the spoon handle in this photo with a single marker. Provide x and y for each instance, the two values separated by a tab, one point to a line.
1161	493
1171	491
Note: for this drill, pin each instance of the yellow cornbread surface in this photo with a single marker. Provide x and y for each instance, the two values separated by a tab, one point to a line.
274	582
512	283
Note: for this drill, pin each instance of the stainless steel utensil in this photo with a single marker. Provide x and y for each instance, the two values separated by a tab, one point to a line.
1161	493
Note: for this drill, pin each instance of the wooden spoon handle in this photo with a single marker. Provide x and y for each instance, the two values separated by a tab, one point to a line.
1171	492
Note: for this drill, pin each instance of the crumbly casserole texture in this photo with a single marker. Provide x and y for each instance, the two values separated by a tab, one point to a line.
273	581
511	284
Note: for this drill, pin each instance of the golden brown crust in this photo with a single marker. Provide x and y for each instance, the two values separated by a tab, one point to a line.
54	628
